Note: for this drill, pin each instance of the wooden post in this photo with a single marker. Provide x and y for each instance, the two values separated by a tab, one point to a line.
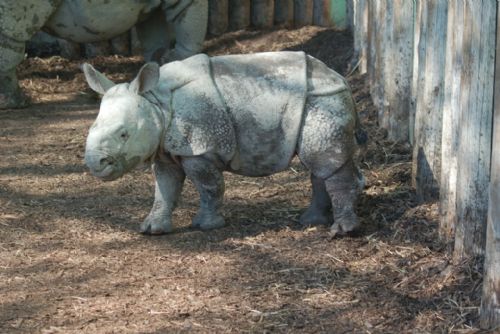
376	61
490	302
360	31
395	110
283	13
451	107
321	13
303	12
414	81
475	122
263	13
239	14
218	19
429	99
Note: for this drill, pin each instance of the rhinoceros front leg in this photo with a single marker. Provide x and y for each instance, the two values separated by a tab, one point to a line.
11	54
343	188
169	179
209	182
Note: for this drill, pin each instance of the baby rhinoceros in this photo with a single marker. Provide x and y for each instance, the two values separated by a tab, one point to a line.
247	114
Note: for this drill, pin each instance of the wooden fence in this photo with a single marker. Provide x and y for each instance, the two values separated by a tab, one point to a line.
228	15
431	69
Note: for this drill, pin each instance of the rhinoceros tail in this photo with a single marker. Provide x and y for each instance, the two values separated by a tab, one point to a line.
361	136
360	133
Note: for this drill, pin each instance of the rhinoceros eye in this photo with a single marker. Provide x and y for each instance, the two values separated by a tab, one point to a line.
124	135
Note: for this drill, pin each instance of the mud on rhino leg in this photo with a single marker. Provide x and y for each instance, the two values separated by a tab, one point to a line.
343	188
320	209
169	179
209	182
11	54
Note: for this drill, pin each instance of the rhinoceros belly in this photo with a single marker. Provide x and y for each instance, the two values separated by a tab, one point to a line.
94	20
265	95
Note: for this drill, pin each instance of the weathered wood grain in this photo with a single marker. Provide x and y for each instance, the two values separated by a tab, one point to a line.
490	302
303	12
283	13
426	167
450	134
218	18
321	13
239	14
475	122
262	13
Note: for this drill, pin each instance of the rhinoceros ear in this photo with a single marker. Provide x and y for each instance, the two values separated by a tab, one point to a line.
147	79
96	80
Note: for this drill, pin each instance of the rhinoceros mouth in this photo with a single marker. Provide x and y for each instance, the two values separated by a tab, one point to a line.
109	173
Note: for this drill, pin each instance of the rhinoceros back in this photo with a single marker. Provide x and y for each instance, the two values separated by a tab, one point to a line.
265	95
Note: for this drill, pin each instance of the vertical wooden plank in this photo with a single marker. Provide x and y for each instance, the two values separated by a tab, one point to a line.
490	301
218	19
283	13
451	107
239	14
321	13
395	110
378	35
303	12
429	100
475	122
360	32
262	13
417	24
489	312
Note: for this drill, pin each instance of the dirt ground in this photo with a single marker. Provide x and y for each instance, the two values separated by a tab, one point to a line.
72	260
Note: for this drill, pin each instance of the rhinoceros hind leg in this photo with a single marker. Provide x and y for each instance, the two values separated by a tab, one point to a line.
320	209
209	182
343	188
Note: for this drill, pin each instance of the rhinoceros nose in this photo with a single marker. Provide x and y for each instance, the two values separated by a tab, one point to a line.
97	162
104	162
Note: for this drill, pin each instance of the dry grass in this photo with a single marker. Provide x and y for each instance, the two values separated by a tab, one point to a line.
71	259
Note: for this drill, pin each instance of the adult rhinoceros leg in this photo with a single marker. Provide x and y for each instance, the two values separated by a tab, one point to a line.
11	54
209	182
169	179
154	35
190	28
319	211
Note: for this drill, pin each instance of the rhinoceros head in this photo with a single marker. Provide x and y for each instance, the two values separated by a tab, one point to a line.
128	127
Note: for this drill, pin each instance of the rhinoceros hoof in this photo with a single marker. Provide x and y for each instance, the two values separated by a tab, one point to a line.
15	100
155	226
208	221
344	225
314	216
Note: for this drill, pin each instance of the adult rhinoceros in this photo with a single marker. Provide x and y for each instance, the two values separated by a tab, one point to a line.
95	20
248	114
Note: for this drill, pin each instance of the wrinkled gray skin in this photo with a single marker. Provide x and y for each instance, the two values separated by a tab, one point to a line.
85	21
247	114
